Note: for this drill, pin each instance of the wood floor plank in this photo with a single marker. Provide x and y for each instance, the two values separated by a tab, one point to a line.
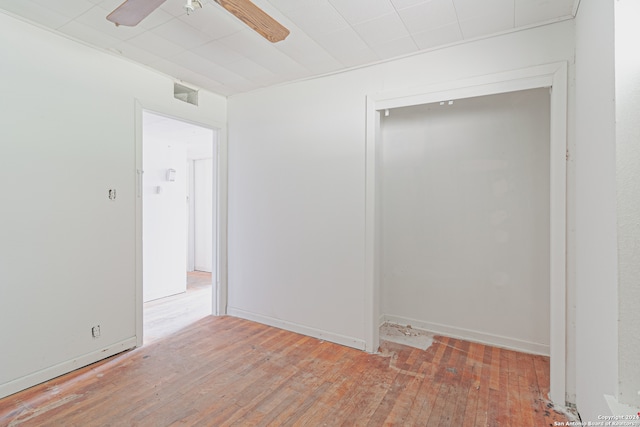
431	387
524	390
451	376
482	414
513	386
463	384
471	407
502	396
416	373
341	398
363	403
474	369
494	383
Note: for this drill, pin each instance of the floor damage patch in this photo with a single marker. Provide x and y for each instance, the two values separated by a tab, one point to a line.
406	335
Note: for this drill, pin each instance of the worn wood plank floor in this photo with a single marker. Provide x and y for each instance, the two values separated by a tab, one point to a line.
225	371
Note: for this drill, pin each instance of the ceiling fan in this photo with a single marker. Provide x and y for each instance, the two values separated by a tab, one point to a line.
131	12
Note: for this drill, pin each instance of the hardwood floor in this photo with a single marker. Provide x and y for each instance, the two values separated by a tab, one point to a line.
225	371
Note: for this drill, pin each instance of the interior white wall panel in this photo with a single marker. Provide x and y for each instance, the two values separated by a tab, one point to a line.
68	253
627	63
203	218
165	225
596	245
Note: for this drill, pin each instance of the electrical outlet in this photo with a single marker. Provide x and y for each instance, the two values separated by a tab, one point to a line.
95	331
112	194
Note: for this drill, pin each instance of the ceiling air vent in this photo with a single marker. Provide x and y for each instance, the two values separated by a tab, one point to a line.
185	94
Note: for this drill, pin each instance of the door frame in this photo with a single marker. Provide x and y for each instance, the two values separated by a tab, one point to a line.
190	220
552	76
219	283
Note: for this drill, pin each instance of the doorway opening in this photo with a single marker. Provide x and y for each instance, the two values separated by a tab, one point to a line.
465	214
179	217
552	77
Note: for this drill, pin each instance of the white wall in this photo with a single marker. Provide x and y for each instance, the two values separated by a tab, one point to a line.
465	201
67	259
627	63
297	181
204	215
203	201
596	247
164	230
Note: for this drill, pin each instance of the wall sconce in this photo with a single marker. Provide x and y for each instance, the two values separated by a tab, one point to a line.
171	175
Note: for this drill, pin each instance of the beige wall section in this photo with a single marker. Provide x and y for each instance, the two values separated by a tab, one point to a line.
68	253
628	181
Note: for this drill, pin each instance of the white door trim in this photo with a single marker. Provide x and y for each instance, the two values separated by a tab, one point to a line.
219	294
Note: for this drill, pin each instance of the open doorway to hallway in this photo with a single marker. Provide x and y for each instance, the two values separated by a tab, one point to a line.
166	316
178	223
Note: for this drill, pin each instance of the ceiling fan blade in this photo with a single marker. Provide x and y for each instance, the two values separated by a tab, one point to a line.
131	12
256	18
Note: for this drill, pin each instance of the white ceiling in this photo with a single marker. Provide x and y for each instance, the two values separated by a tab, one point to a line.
213	50
161	129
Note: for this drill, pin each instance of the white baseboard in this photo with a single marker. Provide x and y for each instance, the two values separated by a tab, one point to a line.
46	374
300	329
470	335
